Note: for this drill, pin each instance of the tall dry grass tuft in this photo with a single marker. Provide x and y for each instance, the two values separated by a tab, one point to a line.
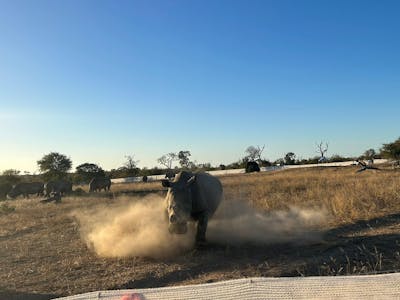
345	194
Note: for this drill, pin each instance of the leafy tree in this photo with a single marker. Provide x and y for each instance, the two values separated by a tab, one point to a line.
182	156
339	158
369	154
184	160
391	150
54	165
130	166
85	172
290	158
312	160
279	162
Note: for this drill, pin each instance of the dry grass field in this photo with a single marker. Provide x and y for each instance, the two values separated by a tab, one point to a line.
353	217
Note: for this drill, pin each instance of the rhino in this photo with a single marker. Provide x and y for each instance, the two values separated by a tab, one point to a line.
252	166
5	188
192	197
57	186
98	183
26	189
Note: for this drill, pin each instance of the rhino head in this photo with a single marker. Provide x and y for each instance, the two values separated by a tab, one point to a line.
14	192
179	202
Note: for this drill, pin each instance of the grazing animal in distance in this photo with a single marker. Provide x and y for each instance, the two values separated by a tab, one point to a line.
252	166
170	174
26	189
99	183
192	197
5	188
365	166
61	187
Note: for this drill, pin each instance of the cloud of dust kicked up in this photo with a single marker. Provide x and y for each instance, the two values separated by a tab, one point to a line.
139	228
236	222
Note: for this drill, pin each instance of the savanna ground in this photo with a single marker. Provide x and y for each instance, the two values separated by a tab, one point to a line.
43	254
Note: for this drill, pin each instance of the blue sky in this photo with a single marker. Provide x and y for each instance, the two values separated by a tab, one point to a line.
99	80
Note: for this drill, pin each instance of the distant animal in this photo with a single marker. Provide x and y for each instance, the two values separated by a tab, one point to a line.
252	166
99	183
322	159
58	186
192	197
170	174
26	189
365	166
5	188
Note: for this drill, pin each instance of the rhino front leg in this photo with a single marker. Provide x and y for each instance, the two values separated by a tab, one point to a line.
202	228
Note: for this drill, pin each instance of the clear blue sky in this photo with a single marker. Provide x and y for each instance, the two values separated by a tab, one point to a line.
98	80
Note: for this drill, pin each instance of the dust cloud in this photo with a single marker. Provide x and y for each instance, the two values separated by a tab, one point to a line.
236	222
134	228
138	227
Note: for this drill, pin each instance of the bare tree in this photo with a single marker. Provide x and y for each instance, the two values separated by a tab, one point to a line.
167	160
130	163
322	151
254	153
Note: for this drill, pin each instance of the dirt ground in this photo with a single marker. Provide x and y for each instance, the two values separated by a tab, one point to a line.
42	254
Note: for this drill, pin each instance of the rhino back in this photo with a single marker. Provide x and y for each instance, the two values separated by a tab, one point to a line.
28	187
207	193
61	186
99	182
34	187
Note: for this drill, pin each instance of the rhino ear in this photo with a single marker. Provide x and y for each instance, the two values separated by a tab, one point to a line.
166	183
191	180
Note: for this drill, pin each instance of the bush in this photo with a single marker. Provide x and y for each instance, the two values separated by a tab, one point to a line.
391	150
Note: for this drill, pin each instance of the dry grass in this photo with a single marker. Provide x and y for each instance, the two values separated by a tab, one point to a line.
346	195
42	253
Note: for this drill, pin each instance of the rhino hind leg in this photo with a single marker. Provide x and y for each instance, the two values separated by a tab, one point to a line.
201	228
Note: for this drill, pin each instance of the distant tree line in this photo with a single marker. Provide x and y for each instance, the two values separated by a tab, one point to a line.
55	165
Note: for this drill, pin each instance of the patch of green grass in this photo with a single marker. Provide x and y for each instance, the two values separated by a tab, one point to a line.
6	209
